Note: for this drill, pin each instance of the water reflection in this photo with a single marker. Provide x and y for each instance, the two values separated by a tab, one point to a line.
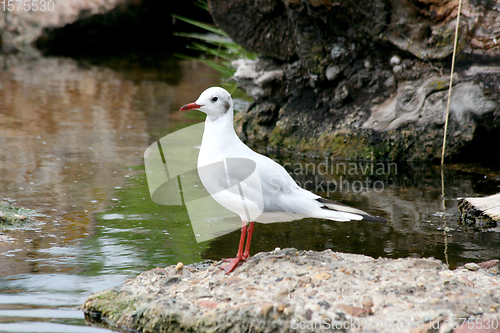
72	137
69	134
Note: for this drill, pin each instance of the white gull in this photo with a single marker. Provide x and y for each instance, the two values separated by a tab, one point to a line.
250	184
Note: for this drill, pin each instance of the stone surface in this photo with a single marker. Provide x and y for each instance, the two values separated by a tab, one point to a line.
423	102
267	20
20	28
365	116
371	113
313	28
472	266
301	291
360	83
480	213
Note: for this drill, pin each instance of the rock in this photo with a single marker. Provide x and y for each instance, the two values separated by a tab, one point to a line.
12	217
171	280
208	304
303	281
353	310
266	309
360	105
258	26
424	103
255	79
178	268
395	60
466	280
367	302
407	126
20	29
432	294
301	28
339	53
489	263
472	266
332	72
321	276
480	213
407	31
426	263
83	27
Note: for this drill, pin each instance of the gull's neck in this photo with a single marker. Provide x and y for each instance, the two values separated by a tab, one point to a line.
219	137
221	126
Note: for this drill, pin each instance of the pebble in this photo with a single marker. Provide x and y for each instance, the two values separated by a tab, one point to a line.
397	69
390	81
178	268
489	263
471	266
367	302
283	292
322	276
395	60
332	72
338	51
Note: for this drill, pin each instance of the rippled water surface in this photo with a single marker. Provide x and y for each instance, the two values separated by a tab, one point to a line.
72	139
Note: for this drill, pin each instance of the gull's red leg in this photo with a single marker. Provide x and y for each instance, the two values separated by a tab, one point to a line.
246	254
233	262
242	239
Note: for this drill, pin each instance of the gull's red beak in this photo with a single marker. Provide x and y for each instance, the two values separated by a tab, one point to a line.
191	106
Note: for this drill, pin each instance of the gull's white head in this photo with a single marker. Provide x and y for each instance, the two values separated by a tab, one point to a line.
214	101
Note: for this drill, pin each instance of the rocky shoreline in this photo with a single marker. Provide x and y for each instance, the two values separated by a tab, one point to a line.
286	290
368	81
374	113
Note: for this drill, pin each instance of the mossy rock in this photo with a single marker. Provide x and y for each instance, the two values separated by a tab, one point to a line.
12	217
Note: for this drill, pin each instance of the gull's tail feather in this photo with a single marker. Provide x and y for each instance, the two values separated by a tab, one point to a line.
335	206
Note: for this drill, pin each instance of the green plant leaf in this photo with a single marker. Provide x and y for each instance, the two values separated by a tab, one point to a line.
202	25
217	44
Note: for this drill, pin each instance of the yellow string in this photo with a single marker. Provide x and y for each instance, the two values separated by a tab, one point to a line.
451	81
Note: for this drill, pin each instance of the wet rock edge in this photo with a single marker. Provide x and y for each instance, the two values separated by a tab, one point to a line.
279	290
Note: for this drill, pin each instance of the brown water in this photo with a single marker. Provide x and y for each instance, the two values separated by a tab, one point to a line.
72	136
72	139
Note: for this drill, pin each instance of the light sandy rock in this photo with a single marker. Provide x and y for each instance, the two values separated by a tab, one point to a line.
301	291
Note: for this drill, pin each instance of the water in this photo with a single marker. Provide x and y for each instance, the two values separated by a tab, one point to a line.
72	139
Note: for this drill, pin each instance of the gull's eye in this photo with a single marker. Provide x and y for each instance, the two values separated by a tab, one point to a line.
215	99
